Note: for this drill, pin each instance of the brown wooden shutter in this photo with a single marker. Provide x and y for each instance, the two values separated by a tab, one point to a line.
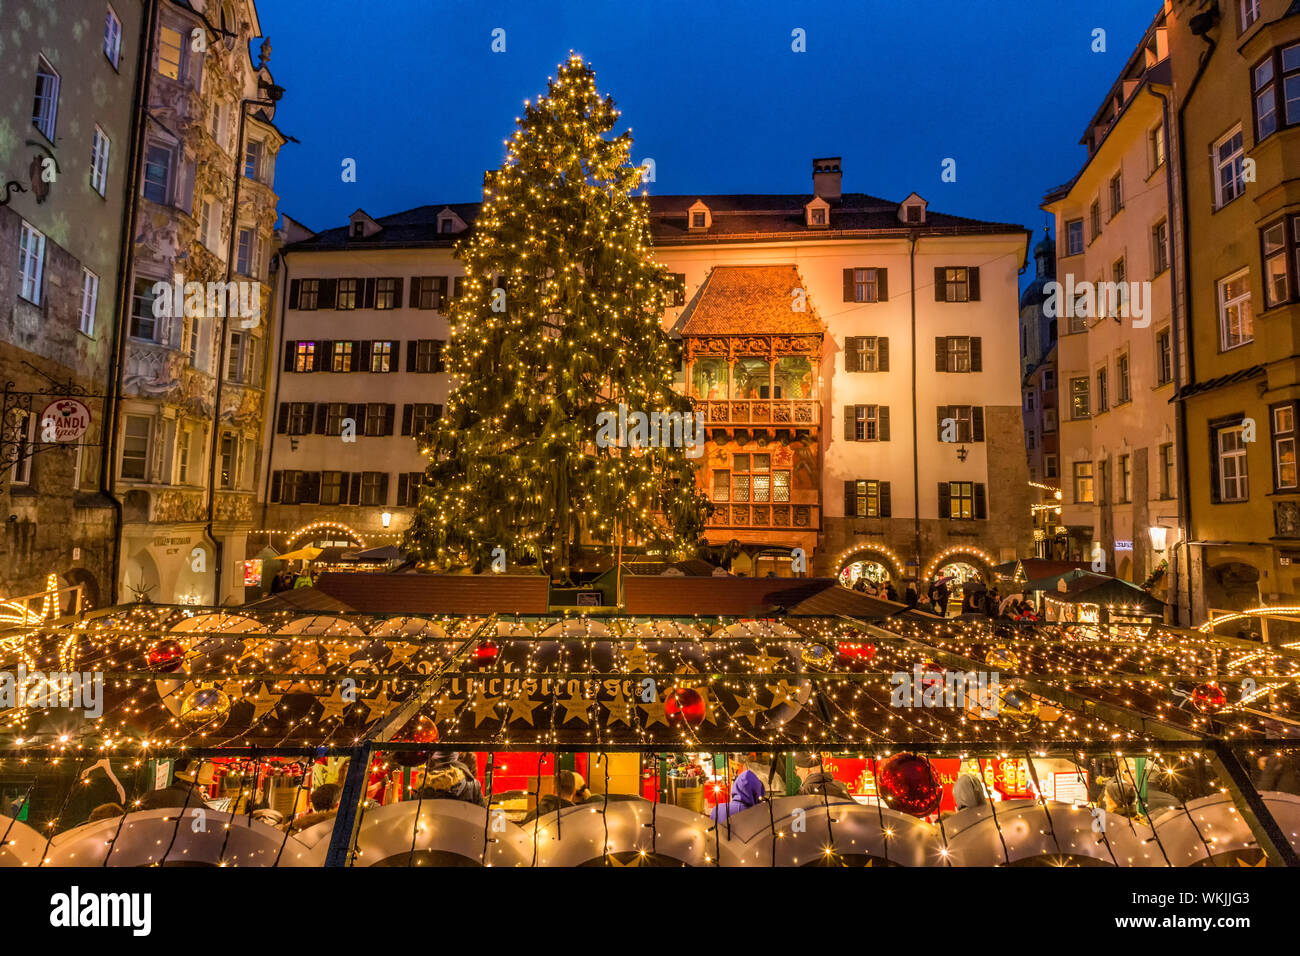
390	418
941	353
848	286
850	498
329	291
282	419
354	491
408	415
850	432
383	489
882	353
882	423
358	415
361	356
1215	495
940	284
398	282
403	488
981	501
943	413
977	423
367	293
976	354
974	274
395	360
886	506
277	479
882	284
456	283
411	349
851	354
289	349
322	410
440	293
945	503
311	492
293	293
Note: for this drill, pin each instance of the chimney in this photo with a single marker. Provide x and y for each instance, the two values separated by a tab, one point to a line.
826	178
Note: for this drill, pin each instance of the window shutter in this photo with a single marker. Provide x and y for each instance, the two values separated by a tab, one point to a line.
289	349
882	423
882	353
851	353
457	283
850	498
368	294
942	411
321	360
277	478
282	419
311	494
361	356
438	365
882	284
849	431
981	501
848	286
383	489
397	291
440	292
410	355
1214	468
977	423
940	353
976	354
416	284
321	411
354	492
886	506
974	274
358	415
293	293
390	418
395	360
329	290
945	504
940	284
408	415
403	483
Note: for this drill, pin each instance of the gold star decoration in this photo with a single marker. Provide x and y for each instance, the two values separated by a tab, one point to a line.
334	704
483	705
521	708
762	662
444	708
620	709
402	652
1241	862
783	692
638	659
746	707
712	706
579	707
654	713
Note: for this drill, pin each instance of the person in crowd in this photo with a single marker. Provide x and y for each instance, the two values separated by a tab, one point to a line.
860	584
770	771
1120	798
746	791
189	776
567	785
324	806
106	811
939	598
815	781
303	580
968	791
911	597
449	779
1278	772
891	592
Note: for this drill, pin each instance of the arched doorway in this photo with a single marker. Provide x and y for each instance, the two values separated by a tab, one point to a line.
89	590
874	563
140	579
958	569
325	534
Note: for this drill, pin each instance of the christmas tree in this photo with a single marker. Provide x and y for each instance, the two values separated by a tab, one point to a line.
557	322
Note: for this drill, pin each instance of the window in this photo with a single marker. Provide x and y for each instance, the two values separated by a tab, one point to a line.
752	479
1164	357
968	419
676	289
866	423
1284	448
429	292
137	432
244	264
721	484
1157	139
1280	70
1278	285
1124	488
869	499
99	162
1029	440
1116	195
1080	404
1049	420
408	488
157	174
309	295
1249	13
112	38
446	225
210	226
31	263
958	353
169	53
374	488
1074	237
228	475
697	220
253	159
1168	476
25	430
358	229
1236	320
298	487
304	357
1049	380
216	123
144	325
341	359
190	337
335	414
423	415
1229	158
45	108
331	488
300	418
236	356
866	285
956	284
1159	247
428	355
961	499
386	294
183	441
1234	481
1103	481
1029	401
866	353
1049	466
89	299
381	354
376	420
1103	391
1083	482
1123	390
1094	215
819	217
346	297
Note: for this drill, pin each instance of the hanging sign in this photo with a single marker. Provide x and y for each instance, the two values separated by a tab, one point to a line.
64	420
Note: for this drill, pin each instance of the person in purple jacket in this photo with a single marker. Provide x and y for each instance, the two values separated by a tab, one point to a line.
746	791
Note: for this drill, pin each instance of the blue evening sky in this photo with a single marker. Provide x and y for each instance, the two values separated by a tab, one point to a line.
711	89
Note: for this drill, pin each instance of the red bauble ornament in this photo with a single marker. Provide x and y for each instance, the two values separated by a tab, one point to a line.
855	654
684	703
1208	698
166	656
486	652
907	783
932	668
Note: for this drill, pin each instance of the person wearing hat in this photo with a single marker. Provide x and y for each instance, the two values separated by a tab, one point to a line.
1120	798
567	785
450	779
817	781
968	791
189	775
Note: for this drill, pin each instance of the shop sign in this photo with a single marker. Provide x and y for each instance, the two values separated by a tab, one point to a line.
64	420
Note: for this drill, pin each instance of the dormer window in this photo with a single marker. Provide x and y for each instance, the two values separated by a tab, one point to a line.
449	223
699	216
361	226
912	210
697	220
914	213
817	213
358	229
446	226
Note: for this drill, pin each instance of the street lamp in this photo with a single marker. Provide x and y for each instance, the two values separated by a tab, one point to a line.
1158	534
386	518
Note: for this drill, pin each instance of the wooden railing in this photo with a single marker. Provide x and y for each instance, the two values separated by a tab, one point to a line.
794	412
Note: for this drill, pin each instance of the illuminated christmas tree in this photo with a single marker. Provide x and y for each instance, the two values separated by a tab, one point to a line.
557	321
